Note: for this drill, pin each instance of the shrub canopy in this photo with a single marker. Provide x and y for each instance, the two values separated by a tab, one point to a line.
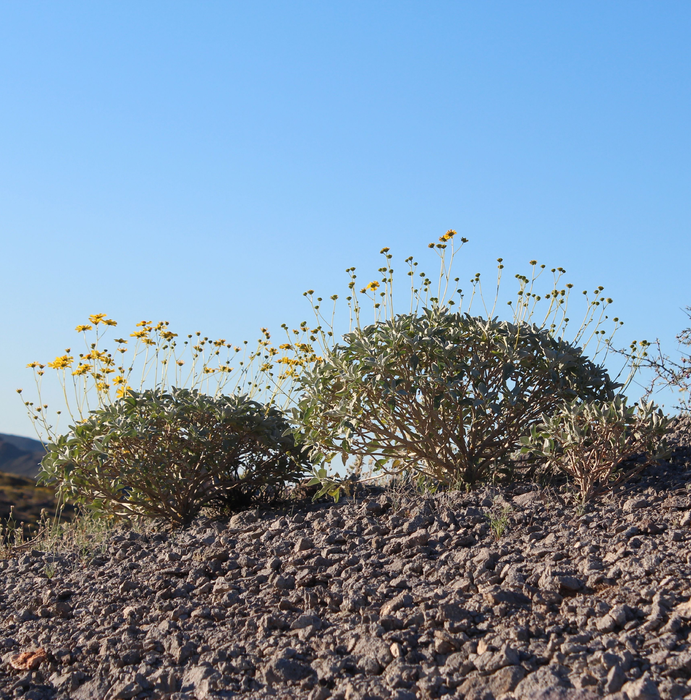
441	394
168	454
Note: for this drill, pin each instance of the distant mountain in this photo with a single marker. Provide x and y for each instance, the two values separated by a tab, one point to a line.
23	443
20	455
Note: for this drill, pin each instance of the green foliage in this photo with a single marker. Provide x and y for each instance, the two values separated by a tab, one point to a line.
498	522
328	485
592	442
439	394
169	454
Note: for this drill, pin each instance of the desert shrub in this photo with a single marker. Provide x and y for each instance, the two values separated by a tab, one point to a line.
445	395
438	393
595	443
168	454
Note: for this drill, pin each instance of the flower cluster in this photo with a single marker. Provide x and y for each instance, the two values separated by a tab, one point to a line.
151	356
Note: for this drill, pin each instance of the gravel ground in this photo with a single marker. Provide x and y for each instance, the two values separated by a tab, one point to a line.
502	593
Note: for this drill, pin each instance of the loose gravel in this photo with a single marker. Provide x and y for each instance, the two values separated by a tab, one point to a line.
498	594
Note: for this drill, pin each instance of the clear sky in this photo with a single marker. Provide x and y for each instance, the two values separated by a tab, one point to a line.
207	162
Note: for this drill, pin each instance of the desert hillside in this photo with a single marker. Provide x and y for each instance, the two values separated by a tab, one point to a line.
20	455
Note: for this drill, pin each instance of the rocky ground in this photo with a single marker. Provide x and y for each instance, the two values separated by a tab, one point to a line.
505	593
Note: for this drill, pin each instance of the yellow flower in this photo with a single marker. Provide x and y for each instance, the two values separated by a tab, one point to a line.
143	324
285	346
61	362
110	322
448	235
96	318
31	365
119	380
82	369
168	335
83	328
97	355
120	340
122	391
139	334
371	287
102	386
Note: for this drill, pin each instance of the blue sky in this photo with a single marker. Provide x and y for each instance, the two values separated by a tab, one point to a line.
207	162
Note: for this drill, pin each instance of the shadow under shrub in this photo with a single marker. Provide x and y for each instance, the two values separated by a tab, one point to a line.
169	454
440	394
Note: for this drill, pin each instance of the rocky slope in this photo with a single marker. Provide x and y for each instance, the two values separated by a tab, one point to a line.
388	596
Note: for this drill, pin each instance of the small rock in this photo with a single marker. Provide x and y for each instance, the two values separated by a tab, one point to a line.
635	503
546	678
283	670
526	499
307	620
615	679
492	661
303	544
641	689
123	690
402	600
506	679
285	583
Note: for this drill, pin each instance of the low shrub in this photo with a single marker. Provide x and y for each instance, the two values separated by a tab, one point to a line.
170	453
595	443
441	394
